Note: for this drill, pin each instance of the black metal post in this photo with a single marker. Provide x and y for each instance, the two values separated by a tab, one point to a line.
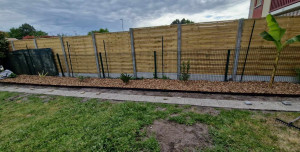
68	46
106	59
101	61
244	66
155	66
227	65
59	63
162	55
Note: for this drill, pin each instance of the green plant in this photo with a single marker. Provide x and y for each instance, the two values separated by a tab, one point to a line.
125	77
42	74
298	74
13	75
81	78
3	46
185	68
165	77
275	34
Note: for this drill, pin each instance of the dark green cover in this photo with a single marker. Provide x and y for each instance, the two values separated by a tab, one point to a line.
32	62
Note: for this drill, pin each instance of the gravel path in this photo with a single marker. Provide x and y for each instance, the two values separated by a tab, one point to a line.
199	85
167	94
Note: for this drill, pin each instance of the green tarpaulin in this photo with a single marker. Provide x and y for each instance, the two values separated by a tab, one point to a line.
32	62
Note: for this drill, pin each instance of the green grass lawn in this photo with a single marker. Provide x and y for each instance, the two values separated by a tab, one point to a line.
66	124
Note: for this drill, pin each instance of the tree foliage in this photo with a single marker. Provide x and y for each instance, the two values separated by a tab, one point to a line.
274	34
183	21
101	30
3	45
25	30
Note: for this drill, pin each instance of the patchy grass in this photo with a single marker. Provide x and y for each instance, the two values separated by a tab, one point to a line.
66	124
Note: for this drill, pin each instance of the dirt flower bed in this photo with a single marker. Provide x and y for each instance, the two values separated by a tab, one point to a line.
191	85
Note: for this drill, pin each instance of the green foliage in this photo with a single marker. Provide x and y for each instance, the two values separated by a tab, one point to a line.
81	78
25	30
40	33
275	34
185	68
3	46
298	74
13	75
165	77
125	77
42	74
183	21
101	30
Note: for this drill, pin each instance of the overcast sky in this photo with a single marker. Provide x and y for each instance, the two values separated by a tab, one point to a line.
77	17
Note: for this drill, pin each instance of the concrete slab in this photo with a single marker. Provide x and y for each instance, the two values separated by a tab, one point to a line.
237	104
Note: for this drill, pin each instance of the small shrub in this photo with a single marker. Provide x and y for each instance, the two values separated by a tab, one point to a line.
185	68
298	74
81	78
42	74
13	75
165	77
125	77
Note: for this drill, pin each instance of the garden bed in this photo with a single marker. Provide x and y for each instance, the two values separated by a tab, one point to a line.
280	88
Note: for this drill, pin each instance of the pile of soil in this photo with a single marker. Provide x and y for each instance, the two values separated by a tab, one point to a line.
178	137
191	85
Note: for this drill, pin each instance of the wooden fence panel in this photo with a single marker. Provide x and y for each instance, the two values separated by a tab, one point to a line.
21	44
206	45
82	54
118	51
148	40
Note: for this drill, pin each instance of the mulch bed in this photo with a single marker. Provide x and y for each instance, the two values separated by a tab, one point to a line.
283	88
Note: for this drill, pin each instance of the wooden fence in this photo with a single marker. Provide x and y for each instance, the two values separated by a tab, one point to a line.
204	44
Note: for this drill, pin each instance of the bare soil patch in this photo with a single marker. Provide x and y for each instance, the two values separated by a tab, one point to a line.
177	137
191	85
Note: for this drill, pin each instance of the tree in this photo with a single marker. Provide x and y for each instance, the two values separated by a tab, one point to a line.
25	30
40	33
101	30
3	47
183	21
275	34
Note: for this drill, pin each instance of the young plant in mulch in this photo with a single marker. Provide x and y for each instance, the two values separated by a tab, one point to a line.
165	77
13	75
42	74
275	34
185	68
125	77
81	78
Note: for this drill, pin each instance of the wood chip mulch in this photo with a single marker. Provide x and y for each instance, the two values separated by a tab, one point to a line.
191	85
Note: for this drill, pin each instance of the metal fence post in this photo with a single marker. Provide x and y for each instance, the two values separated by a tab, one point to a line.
237	49
13	45
102	64
133	53
35	44
59	63
155	66
227	65
178	50
96	54
65	55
